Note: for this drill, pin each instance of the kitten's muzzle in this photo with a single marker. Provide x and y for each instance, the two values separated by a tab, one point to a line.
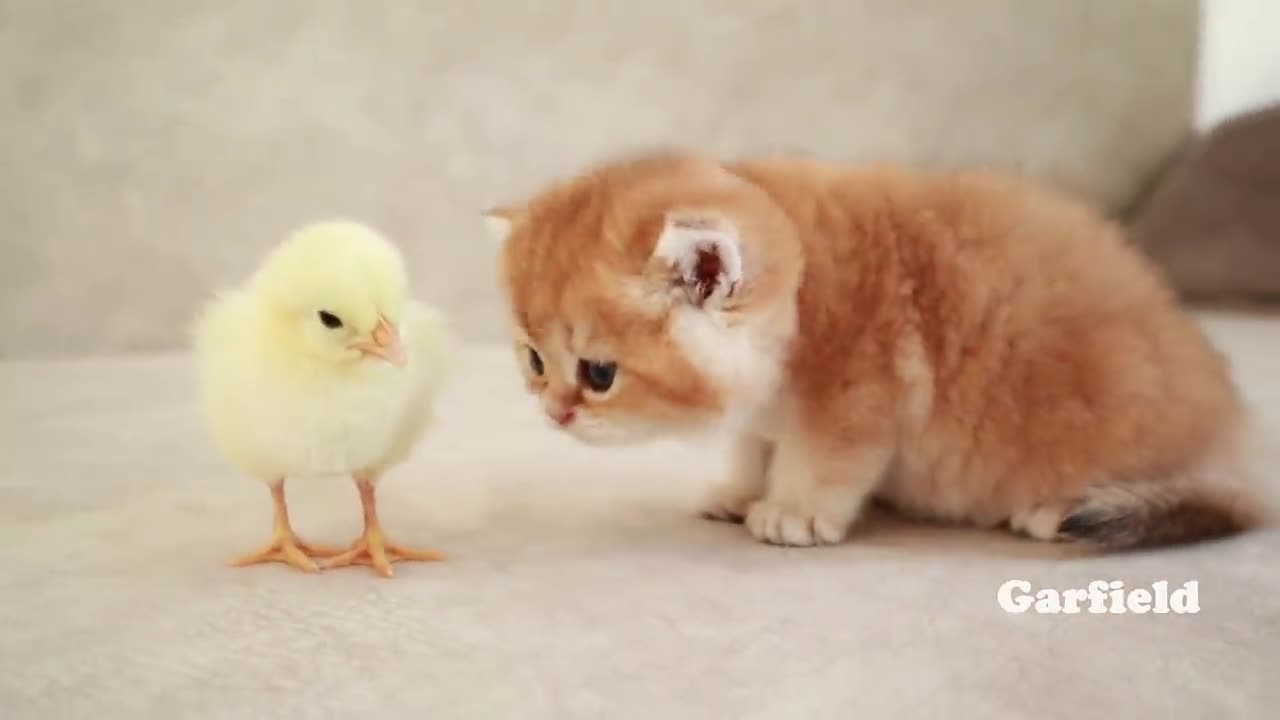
561	406
562	417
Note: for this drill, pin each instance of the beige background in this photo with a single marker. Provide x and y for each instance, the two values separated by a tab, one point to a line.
153	149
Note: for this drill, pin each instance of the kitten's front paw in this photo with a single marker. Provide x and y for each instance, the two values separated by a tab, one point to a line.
728	502
781	523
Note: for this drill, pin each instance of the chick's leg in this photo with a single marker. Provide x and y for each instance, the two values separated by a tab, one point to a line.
285	546
372	548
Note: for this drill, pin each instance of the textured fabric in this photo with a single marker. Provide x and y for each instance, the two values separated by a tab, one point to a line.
580	586
154	149
1213	223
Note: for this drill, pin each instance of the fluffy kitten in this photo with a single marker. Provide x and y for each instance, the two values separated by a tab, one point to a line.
963	346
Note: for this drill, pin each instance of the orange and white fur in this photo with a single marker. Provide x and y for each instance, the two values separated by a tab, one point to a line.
962	346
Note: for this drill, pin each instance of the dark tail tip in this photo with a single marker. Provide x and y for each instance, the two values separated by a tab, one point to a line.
1092	523
1140	521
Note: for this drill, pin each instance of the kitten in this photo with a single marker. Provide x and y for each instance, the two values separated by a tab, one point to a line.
963	346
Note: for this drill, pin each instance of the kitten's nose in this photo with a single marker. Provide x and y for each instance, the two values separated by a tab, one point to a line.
562	416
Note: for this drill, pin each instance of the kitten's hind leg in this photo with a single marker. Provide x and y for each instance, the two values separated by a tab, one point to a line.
747	481
1039	522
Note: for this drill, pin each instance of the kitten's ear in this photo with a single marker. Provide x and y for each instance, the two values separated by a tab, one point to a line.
498	222
705	255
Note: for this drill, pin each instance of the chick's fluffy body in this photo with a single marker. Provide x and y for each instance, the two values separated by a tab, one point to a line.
274	414
276	408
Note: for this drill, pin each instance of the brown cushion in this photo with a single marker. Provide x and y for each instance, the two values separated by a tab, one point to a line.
1213	222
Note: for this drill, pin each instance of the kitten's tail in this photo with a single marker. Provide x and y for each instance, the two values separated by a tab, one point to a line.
1128	516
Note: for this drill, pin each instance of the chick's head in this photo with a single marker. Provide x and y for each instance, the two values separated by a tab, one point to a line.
335	292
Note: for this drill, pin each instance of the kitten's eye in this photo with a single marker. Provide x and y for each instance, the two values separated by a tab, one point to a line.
535	362
331	321
597	375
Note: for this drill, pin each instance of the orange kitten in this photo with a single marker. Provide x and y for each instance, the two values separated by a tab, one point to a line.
963	346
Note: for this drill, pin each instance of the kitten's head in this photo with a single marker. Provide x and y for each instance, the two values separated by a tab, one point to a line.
648	296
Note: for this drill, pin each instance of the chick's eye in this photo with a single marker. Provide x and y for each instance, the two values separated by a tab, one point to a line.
535	362
598	376
331	321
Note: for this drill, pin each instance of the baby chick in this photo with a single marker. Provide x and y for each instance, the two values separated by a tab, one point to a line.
322	365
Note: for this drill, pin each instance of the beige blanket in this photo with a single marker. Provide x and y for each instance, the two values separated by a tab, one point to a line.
580	585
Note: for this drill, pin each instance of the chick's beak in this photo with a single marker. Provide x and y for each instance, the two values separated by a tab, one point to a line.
385	343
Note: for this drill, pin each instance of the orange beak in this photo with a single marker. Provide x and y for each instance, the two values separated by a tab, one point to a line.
385	344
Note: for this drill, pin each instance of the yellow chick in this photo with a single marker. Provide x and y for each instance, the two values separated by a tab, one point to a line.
321	364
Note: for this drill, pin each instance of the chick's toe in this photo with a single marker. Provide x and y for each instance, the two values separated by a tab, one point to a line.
289	549
374	550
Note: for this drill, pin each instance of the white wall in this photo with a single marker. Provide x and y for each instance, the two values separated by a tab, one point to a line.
1239	58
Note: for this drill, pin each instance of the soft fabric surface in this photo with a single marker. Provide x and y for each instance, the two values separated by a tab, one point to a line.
579	585
153	149
1213	223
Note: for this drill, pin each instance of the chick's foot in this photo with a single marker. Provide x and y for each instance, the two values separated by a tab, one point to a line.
285	546
372	548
